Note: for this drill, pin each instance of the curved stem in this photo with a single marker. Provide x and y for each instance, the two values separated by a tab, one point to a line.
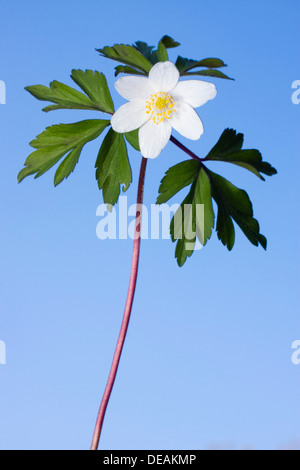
185	149
127	311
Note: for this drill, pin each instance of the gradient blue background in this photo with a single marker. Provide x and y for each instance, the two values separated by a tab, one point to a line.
207	361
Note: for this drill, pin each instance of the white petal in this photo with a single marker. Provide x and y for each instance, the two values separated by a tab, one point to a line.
194	92
153	138
134	87
129	116
164	76
186	121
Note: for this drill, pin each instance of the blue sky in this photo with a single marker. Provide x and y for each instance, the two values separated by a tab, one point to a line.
207	361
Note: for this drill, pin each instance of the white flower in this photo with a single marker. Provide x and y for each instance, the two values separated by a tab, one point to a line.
158	103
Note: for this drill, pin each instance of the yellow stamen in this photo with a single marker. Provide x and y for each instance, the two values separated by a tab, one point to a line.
160	106
161	103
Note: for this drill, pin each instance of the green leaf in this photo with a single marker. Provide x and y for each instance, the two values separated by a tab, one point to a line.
140	57
169	42
228	149
203	196
56	141
177	178
197	218
234	203
67	166
207	73
224	227
94	84
63	95
161	55
112	167
188	221
133	138
128	55
127	69
229	142
145	50
210	62
184	65
182	229
250	160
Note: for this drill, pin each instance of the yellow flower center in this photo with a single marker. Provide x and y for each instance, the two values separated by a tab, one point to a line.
161	102
160	106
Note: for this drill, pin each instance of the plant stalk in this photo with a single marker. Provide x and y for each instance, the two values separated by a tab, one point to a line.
127	311
185	149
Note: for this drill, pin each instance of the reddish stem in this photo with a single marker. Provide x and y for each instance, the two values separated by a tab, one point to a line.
185	149
127	311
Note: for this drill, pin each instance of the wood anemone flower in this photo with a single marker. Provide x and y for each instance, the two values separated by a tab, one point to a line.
159	103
